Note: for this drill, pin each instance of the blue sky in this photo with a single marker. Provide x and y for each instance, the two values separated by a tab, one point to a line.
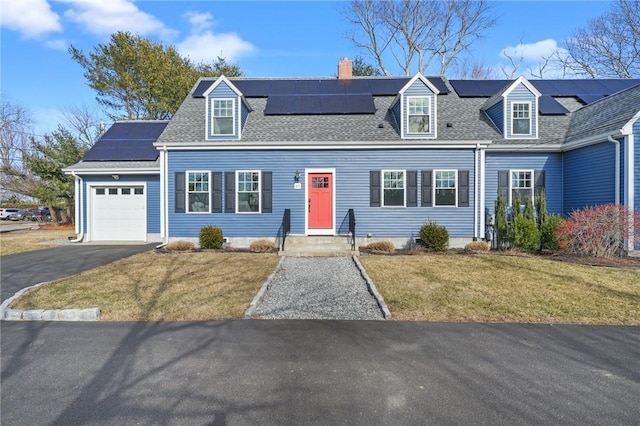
265	38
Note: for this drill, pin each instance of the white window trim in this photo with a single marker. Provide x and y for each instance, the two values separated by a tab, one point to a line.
435	204
533	184
209	124
430	115
404	188
259	172
521	135
186	190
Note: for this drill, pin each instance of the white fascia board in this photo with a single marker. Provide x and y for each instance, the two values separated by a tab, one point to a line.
315	145
526	83
422	78
592	140
627	129
141	171
539	147
221	79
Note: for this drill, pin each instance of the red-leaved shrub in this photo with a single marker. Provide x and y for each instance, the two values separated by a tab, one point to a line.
599	231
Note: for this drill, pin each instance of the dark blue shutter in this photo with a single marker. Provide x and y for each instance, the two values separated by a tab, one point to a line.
230	192
179	192
426	189
266	192
412	188
216	192
503	184
374	188
463	188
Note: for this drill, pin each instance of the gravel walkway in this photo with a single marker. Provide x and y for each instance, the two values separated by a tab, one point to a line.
318	288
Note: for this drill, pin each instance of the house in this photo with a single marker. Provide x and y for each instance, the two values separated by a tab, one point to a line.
394	152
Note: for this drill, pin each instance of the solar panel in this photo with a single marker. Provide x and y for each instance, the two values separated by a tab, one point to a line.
127	141
121	150
319	104
307	87
587	98
201	88
253	88
439	84
478	88
549	106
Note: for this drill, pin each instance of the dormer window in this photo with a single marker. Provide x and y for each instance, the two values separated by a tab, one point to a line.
222	115
521	118
418	116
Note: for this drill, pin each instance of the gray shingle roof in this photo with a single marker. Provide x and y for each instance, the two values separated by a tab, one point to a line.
605	115
108	166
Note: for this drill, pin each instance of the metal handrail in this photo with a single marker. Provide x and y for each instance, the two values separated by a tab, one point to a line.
286	225
352	228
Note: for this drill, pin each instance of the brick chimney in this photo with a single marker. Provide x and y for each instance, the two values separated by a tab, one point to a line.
345	69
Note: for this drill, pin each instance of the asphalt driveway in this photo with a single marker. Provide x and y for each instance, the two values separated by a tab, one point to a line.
312	372
26	269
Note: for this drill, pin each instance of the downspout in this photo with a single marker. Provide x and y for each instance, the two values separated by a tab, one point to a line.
476	210
164	197
79	184
617	168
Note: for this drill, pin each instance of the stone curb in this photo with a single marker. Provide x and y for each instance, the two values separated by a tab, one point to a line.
256	299
386	313
7	314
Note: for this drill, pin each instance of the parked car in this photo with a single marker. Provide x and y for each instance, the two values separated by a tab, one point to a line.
4	215
22	214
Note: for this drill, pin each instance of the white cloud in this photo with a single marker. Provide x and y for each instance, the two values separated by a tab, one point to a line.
31	18
531	52
102	17
205	45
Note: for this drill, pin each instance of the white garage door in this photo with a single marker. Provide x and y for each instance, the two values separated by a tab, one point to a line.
118	213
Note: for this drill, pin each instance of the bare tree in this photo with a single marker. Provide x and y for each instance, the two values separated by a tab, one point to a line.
475	71
609	46
83	123
417	34
15	140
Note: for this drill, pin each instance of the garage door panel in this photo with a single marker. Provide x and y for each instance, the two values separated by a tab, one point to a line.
118	213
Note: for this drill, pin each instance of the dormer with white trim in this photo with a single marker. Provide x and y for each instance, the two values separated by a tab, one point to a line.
226	111
514	110
415	109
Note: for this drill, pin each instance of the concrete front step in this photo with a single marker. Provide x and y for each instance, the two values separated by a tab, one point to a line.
299	246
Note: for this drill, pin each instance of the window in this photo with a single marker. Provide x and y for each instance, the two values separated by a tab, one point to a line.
138	190
248	194
222	116
99	191
521	185
198	192
418	115
445	188
126	191
113	191
521	118
393	188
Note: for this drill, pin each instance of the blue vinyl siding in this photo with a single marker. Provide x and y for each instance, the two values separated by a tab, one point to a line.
521	94
396	113
352	190
223	91
551	163
153	196
589	176
419	89
496	114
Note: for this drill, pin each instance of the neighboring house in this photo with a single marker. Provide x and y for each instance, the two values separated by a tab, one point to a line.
398	151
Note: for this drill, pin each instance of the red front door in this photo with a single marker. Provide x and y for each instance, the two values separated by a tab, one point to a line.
320	202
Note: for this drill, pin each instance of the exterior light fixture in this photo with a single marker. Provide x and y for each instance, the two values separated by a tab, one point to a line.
296	177
115	177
